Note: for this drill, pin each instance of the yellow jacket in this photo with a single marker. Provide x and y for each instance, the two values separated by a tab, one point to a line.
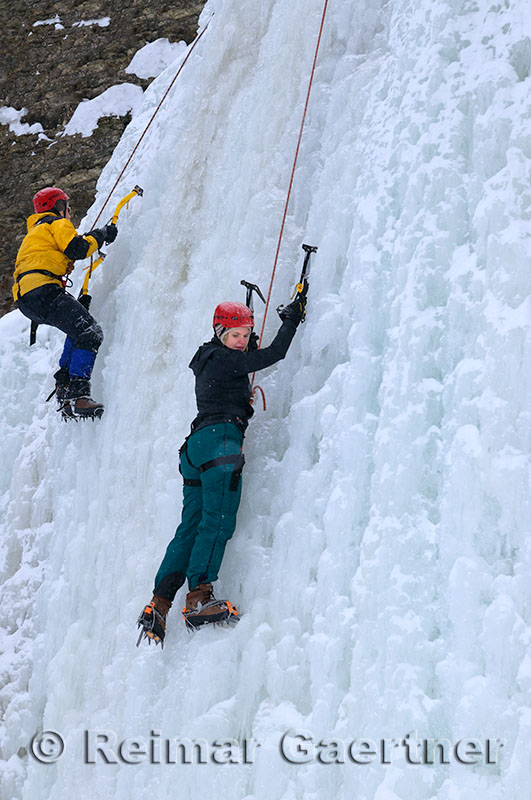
48	247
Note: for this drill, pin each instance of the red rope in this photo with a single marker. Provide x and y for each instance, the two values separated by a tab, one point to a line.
292	175
293	170
189	53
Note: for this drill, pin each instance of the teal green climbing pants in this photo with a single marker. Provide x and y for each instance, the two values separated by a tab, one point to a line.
211	461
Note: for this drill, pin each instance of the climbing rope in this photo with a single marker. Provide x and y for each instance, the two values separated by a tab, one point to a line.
164	96
297	149
293	171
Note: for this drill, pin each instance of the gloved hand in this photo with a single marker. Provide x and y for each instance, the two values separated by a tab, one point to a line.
294	311
104	235
85	300
111	232
253	341
99	235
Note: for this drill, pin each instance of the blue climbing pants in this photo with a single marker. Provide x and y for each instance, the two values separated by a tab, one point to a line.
211	461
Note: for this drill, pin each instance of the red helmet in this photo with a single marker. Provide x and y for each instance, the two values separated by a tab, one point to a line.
47	198
233	315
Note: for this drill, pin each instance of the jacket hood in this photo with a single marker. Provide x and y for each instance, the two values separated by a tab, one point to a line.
205	352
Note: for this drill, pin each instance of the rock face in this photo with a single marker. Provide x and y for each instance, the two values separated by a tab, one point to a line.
48	69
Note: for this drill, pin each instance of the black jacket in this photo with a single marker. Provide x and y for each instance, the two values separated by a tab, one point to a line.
222	386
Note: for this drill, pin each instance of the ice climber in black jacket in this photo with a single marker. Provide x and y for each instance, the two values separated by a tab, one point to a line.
211	463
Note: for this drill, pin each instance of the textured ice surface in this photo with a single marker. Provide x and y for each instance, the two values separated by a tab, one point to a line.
382	554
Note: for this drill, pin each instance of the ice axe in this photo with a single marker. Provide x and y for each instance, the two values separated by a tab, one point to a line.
84	297
303	285
251	287
301	289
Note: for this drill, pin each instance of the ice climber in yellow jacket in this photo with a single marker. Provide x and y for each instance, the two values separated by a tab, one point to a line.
44	261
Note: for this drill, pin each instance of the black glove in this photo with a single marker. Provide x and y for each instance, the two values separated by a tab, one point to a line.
98	234
253	342
111	232
104	235
294	311
85	300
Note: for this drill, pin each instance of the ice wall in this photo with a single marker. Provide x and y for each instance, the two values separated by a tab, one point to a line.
382	550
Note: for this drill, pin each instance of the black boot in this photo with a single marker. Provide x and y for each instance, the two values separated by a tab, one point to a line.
62	385
62	379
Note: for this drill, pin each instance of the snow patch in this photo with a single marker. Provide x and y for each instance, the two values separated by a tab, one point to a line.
56	21
153	58
117	101
12	117
102	23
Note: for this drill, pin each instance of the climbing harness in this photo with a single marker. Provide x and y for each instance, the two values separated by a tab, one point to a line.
84	297
62	279
238	459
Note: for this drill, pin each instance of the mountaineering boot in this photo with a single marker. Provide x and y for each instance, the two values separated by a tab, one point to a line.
65	407
62	379
86	407
78	396
152	620
202	607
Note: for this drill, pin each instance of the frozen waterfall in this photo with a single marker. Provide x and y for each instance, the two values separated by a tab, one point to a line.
381	559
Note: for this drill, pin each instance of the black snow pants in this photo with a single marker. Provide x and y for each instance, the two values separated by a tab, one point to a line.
51	305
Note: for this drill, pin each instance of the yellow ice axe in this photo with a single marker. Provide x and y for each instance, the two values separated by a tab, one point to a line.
125	202
84	296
